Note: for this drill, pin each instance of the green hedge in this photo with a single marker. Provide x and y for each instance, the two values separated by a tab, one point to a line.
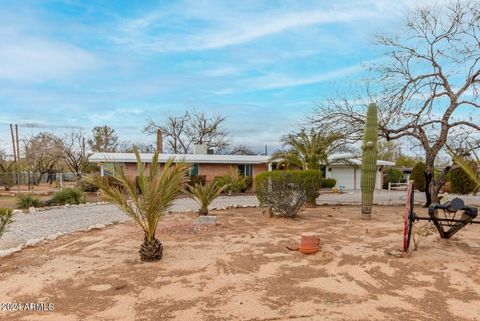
418	176
460	182
328	182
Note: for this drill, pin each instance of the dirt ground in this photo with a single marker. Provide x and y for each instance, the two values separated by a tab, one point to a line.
241	270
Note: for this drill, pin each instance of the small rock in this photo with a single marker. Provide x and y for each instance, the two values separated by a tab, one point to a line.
33	242
31	210
17	211
95	227
207	219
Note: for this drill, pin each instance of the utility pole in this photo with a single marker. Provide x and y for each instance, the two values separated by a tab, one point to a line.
16	154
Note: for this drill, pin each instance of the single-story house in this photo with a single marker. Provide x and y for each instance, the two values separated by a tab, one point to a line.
211	165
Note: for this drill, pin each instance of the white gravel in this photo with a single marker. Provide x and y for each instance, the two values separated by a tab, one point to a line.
33	228
30	229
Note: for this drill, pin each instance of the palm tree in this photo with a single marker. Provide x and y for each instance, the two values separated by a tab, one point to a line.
308	150
205	194
470	169
146	198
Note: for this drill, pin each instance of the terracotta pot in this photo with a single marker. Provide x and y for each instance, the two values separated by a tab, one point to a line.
309	243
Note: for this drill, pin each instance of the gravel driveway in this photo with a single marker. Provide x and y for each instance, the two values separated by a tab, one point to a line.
29	229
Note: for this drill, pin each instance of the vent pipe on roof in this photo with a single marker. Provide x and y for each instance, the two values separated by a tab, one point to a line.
159	141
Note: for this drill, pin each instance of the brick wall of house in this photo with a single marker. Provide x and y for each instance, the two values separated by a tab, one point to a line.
209	170
212	170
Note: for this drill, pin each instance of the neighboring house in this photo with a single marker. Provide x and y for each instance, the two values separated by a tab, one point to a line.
407	171
349	174
211	165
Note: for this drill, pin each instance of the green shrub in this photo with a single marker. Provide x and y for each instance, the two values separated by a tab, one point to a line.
392	175
197	180
28	200
67	196
311	182
328	182
86	186
5	219
234	182
460	182
418	176
285	192
248	182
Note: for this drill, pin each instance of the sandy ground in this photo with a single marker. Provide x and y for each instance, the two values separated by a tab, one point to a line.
241	270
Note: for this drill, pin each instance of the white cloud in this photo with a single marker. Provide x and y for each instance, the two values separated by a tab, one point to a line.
275	81
31	59
226	28
119	113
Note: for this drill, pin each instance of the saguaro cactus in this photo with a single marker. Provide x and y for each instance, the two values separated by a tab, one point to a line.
369	160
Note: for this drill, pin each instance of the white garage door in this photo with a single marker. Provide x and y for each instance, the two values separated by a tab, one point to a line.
344	177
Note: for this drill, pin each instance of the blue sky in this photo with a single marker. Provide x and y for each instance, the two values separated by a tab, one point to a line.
263	64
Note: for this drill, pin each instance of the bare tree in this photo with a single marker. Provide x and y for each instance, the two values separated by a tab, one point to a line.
7	179
191	128
237	150
127	147
104	139
74	152
430	80
42	153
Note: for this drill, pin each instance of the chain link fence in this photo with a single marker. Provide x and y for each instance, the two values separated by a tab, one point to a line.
31	179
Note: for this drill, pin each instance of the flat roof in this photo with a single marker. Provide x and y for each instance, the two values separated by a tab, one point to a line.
203	159
188	158
356	161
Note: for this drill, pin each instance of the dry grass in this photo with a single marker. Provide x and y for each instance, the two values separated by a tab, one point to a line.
241	270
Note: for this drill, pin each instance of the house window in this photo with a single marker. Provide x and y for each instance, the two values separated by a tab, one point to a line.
194	169
245	170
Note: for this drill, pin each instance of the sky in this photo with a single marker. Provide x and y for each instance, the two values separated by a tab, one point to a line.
265	65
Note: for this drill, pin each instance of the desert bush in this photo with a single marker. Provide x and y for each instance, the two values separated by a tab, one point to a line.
28	200
234	182
461	182
392	175
248	182
328	182
282	191
418	176
5	219
86	186
311	182
197	179
67	196
204	195
420	231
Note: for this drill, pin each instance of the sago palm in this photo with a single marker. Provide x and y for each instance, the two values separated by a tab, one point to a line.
205	194
470	169
145	199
